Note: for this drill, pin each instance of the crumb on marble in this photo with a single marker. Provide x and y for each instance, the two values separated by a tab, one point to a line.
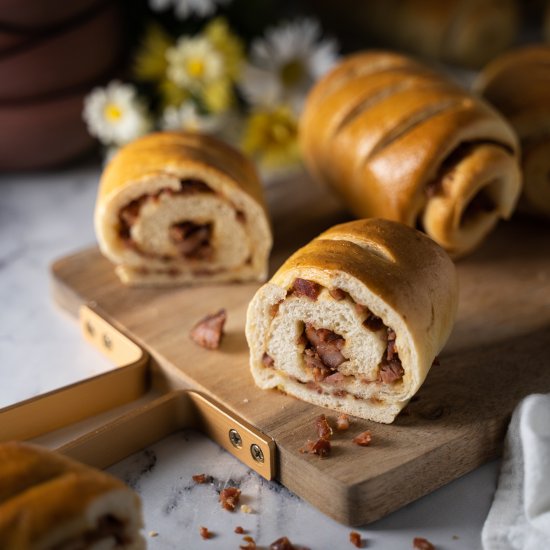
246	509
229	498
420	543
355	539
153	533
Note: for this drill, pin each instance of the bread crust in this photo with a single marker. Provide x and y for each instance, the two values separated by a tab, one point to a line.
381	129
399	274
156	164
47	500
517	83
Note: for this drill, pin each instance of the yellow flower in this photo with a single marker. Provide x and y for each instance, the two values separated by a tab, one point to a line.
228	44
218	96
206	66
271	135
150	62
172	94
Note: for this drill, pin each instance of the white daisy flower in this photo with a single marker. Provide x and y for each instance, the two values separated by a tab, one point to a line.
186	8
187	117
115	115
286	62
194	63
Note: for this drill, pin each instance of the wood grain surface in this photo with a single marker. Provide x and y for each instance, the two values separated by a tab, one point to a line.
498	353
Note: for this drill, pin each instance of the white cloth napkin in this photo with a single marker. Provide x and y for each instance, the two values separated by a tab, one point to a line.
519	518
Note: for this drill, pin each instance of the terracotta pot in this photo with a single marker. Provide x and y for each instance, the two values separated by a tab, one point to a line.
42	134
56	63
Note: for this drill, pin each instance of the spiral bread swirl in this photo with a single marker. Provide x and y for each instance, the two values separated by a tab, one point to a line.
177	207
48	501
518	85
399	141
354	320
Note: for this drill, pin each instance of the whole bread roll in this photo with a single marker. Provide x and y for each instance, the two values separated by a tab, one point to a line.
464	32
399	141
177	207
48	501
518	85
354	320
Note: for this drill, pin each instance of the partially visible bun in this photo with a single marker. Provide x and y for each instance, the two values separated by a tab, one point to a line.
48	501
518	85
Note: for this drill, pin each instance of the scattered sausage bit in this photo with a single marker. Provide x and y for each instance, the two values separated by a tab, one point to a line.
246	509
342	422
282	544
422	544
208	332
239	530
338	293
321	447
355	539
202	478
205	533
229	498
250	544
303	287
323	427
267	360
363	439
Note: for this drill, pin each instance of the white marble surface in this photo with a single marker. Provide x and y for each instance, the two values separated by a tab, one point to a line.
49	215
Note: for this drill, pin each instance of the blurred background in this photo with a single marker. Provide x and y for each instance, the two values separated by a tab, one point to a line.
84	77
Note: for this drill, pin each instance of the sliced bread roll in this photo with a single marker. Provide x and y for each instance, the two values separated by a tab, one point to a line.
354	320
48	501
400	141
177	207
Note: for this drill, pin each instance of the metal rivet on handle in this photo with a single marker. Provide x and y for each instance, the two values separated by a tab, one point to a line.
256	452
235	438
107	342
90	328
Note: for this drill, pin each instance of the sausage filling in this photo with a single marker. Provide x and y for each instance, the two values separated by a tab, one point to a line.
322	348
192	240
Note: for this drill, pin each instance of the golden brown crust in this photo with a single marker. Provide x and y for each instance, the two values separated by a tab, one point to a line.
47	498
230	212
380	127
518	84
404	278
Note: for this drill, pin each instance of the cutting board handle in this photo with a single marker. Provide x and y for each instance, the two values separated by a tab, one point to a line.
138	427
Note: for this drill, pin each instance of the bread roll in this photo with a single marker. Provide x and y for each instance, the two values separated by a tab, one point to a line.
354	320
177	207
48	501
399	141
518	85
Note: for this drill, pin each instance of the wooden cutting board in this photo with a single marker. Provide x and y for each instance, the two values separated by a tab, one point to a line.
497	354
